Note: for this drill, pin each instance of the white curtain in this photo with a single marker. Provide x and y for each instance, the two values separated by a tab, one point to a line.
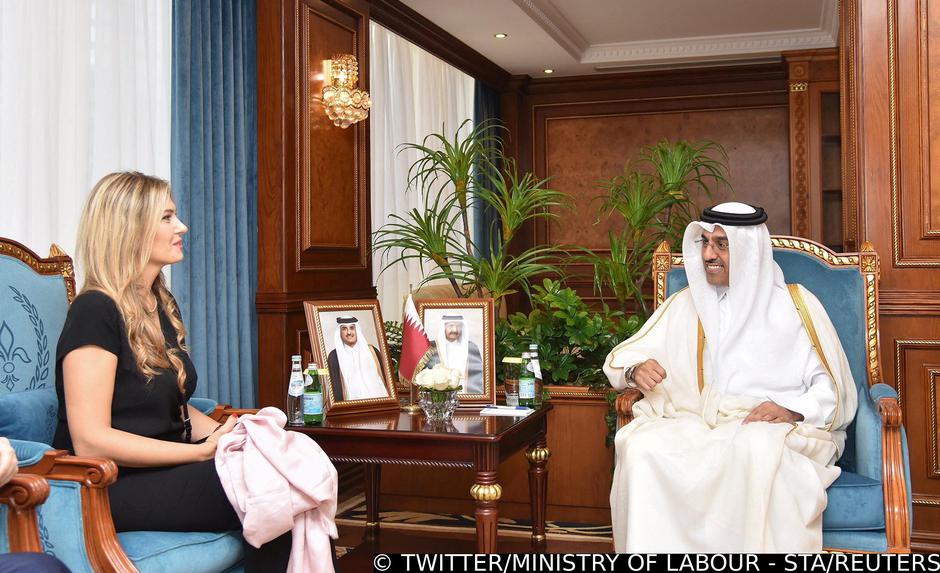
413	94
84	91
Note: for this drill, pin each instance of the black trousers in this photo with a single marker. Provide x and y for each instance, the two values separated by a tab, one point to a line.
186	498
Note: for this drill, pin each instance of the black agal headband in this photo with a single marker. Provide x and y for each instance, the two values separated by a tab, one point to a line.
710	215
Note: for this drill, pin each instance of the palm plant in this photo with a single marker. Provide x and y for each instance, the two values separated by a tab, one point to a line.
444	174
655	205
447	161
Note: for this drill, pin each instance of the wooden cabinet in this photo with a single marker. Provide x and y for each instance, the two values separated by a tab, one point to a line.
820	208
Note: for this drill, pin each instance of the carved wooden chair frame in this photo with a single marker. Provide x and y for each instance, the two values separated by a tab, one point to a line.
897	518
94	474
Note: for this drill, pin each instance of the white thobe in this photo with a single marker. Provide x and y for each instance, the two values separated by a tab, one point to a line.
691	477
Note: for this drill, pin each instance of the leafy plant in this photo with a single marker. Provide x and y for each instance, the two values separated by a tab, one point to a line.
438	236
393	339
443	161
573	339
654	204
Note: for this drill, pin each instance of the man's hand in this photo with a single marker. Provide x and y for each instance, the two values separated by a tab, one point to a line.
8	464
773	413
648	374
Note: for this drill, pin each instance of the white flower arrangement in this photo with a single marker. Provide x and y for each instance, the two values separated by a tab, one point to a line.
439	378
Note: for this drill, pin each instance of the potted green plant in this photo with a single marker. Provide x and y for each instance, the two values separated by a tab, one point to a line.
654	204
438	237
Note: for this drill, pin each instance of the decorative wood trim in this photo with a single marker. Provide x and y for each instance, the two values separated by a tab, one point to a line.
848	95
897	519
305	187
95	475
900	346
933	380
725	80
923	109
926	500
403	462
799	198
21	495
910	303
897	232
414	27
58	263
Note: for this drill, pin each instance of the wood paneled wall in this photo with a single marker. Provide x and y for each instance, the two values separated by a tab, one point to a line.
580	130
890	96
313	178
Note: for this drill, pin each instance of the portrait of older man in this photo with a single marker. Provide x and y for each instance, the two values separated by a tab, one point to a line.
454	349
355	366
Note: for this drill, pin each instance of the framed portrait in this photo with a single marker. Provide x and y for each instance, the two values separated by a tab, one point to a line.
348	339
462	336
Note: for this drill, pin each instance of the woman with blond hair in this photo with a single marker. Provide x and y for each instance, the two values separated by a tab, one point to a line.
124	376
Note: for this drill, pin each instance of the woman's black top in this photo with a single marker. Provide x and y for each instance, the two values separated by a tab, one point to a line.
150	409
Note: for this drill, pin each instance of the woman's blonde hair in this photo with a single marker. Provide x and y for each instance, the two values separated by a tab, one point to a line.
115	239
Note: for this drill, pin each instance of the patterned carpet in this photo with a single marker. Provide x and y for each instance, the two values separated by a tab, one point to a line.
353	512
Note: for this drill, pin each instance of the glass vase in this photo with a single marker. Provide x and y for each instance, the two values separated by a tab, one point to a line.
438	405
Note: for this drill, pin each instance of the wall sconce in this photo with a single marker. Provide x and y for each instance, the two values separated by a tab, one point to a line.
345	105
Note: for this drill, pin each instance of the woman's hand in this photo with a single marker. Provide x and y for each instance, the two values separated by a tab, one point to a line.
212	442
8	464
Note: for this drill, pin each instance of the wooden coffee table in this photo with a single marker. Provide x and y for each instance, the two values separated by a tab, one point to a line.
470	441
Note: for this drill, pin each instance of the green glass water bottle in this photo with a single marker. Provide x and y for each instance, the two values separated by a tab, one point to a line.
313	396
527	383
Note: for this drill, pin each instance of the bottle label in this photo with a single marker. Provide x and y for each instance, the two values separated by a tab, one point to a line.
296	385
526	388
313	403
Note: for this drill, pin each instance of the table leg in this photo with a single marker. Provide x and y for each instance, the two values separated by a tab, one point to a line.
538	455
373	482
486	492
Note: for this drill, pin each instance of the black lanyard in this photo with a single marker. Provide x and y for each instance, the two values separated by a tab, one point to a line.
187	424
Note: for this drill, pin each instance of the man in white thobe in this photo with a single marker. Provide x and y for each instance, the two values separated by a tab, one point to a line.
456	350
355	366
734	444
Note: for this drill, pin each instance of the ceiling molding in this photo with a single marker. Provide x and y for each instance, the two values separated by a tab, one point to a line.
706	48
554	23
829	20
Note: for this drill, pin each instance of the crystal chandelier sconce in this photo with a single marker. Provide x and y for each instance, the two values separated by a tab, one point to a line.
345	105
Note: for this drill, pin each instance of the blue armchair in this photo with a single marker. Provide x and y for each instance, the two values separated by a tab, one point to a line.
75	522
869	506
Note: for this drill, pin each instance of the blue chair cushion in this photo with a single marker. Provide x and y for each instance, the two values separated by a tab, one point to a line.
855	503
169	552
29	415
204	405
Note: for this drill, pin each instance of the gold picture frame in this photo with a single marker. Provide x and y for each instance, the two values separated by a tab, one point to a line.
478	314
323	326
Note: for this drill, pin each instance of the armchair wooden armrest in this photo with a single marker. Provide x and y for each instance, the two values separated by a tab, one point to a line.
223	411
624	405
897	520
95	475
21	495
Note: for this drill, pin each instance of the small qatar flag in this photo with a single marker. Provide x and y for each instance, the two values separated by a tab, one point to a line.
414	342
